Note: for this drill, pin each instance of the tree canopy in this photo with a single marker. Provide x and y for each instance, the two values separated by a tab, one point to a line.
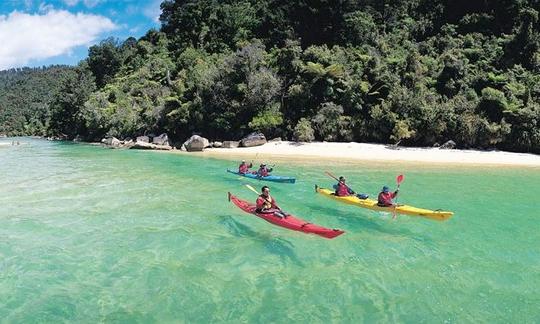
415	71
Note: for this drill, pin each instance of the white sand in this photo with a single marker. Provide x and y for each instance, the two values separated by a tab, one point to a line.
377	152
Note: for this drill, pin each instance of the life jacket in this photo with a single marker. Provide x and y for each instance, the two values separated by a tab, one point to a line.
263	172
265	202
342	189
243	168
385	198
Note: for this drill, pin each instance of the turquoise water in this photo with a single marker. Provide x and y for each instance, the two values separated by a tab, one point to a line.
89	234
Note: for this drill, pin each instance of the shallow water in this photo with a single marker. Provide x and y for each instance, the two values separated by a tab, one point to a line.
90	234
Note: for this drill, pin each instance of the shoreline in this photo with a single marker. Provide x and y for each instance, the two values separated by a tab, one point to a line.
362	152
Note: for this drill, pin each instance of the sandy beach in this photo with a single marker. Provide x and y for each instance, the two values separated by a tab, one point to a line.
376	152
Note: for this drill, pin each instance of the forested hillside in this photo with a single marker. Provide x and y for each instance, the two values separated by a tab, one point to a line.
415	71
25	98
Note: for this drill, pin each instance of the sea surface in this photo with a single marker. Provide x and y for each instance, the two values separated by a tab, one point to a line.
89	234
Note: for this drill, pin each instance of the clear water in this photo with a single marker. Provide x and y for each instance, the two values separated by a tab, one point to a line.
89	234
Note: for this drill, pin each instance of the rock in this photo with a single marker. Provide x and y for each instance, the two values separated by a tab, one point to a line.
217	144
149	146
143	139
436	145
449	145
128	144
277	139
196	143
162	139
183	148
253	139
111	141
230	144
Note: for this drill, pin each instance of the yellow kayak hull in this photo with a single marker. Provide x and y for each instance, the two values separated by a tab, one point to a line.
401	209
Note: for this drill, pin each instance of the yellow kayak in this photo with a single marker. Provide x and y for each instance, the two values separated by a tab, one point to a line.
372	204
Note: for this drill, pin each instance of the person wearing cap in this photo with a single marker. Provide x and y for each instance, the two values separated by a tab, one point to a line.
264	171
385	197
342	189
267	205
244	167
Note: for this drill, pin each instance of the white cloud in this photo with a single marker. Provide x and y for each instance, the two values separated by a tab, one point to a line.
153	10
44	8
88	3
25	37
92	3
71	3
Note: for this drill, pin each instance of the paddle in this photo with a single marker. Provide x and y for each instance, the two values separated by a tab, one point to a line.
399	180
255	191
252	189
333	176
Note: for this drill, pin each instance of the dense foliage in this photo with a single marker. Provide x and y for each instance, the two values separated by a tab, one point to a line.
25	98
415	71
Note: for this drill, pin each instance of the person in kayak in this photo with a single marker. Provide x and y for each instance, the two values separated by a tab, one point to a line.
342	189
264	171
243	168
385	197
267	205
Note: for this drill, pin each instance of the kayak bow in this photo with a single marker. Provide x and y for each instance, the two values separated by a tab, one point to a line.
290	222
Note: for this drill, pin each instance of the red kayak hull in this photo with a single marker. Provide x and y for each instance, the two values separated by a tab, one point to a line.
290	222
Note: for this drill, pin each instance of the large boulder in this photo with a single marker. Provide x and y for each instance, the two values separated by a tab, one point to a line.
217	144
145	139
196	143
230	144
111	141
253	139
162	139
448	145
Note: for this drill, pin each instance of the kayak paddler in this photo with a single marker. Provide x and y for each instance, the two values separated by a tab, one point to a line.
264	171
267	205
342	189
385	197
243	168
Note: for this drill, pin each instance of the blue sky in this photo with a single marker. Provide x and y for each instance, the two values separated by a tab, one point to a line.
41	32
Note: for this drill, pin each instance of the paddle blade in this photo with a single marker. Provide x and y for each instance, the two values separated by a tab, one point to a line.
252	189
399	179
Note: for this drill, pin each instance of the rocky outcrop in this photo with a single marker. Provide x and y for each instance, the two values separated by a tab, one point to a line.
162	139
196	143
111	141
217	144
449	145
148	146
144	139
277	139
230	144
253	139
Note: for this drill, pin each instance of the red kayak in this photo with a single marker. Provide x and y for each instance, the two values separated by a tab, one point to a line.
290	222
